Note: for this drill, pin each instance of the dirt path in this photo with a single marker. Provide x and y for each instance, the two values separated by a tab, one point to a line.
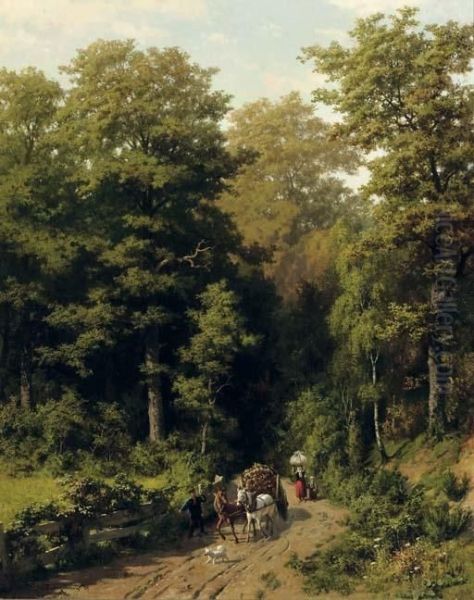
182	573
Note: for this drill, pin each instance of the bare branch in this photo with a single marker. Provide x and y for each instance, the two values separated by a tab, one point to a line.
200	249
212	401
221	387
163	263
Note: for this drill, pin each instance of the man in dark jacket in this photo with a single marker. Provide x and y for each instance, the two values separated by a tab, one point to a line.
194	508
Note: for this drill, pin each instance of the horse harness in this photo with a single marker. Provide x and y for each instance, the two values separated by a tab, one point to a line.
252	502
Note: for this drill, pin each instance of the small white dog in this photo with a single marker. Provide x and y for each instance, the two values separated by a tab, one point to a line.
215	553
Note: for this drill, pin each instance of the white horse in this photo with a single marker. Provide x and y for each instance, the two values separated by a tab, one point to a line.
263	507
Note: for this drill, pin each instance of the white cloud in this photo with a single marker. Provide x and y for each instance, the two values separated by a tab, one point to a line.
47	32
367	7
144	33
431	11
273	29
218	38
186	9
39	14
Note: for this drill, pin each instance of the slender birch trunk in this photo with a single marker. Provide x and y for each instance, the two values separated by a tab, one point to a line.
378	435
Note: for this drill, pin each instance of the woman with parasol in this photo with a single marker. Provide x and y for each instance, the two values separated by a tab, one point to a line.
298	461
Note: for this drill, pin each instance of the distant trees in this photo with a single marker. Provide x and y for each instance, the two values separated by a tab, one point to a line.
292	189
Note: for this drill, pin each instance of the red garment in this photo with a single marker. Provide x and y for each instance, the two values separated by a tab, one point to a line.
299	488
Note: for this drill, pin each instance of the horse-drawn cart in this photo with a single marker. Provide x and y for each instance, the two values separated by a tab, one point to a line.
263	479
259	497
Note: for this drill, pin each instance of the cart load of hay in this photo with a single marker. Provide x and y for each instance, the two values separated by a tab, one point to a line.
262	479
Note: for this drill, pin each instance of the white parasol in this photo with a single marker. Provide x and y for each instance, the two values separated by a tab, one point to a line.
298	459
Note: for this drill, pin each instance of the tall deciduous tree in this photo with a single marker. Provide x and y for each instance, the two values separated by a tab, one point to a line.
36	200
400	91
151	156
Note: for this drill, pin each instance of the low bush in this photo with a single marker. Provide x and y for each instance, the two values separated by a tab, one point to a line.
444	523
111	441
392	485
90	497
338	566
125	494
22	540
455	488
94	554
21	440
176	469
321	577
60	436
270	580
149	458
338	484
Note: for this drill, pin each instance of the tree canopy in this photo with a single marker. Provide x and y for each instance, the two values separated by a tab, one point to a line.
181	279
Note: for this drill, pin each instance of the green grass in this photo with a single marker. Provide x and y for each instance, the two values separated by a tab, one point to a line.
405	450
425	462
153	483
18	492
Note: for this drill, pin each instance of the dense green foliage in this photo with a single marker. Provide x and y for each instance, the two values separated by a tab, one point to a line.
177	297
401	96
110	237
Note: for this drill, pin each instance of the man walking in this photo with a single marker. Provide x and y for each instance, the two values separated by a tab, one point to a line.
194	508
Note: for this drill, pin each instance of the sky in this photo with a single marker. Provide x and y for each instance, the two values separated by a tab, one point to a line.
254	43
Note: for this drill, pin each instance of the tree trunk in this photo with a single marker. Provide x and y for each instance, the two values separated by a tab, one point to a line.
155	398
204	431
378	435
25	380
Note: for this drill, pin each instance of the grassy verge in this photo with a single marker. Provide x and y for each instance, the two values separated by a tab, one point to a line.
18	492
